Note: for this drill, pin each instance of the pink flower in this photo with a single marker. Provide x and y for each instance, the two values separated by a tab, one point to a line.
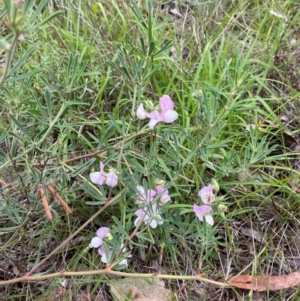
150	211
203	212
166	113
206	194
140	112
112	179
99	177
149	215
164	197
96	241
144	197
104	258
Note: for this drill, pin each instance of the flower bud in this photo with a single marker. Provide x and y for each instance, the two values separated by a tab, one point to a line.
222	208
215	185
108	236
160	182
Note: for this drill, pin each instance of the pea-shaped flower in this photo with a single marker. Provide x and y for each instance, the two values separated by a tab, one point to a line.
101	177
97	241
166	113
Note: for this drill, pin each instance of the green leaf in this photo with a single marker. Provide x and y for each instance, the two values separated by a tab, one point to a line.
138	14
83	168
165	48
11	9
143	46
160	25
91	190
42	110
34	16
21	61
24	75
2	153
5	230
219	145
164	167
39	25
27	6
18	124
150	25
120	226
41	133
151	48
72	65
48	103
114	124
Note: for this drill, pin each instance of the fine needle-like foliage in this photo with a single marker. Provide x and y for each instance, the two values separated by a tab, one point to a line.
148	139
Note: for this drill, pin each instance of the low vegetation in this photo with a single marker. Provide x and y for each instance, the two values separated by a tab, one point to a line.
192	110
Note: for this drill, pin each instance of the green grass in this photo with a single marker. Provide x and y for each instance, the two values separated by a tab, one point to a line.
72	91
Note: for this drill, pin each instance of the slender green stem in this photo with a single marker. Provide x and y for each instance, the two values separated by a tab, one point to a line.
52	123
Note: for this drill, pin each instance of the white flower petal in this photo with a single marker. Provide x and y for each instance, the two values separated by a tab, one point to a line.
209	219
137	221
152	123
123	262
153	224
164	200
140	190
94	176
104	259
170	116
96	242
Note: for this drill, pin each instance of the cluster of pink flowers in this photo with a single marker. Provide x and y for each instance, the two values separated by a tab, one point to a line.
203	211
165	114
149	200
150	211
101	177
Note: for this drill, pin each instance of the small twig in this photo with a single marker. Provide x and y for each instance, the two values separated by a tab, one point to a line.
69	160
45	202
107	271
179	291
84	156
2	182
60	199
109	195
9	187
